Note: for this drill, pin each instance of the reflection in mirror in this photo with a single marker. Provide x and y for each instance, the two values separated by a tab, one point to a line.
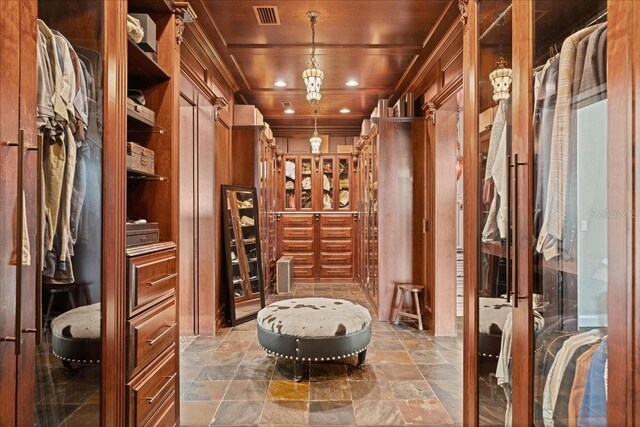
243	269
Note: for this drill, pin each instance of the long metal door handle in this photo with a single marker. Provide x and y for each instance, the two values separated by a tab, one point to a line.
515	231
19	220
159	393
167	329
508	249
39	239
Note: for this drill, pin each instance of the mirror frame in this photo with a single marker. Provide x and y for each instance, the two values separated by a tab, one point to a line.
231	303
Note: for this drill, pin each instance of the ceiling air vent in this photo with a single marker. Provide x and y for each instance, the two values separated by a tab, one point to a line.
267	15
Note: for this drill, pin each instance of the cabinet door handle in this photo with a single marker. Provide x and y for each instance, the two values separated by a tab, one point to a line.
515	231
159	393
19	220
167	329
509	229
162	279
39	239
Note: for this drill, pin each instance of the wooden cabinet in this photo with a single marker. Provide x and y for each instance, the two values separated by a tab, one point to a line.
152	332
386	184
564	138
317	225
254	145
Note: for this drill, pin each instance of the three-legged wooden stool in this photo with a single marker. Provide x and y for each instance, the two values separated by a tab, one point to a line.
414	290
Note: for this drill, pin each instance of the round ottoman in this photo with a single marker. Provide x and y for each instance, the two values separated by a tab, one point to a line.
76	335
314	329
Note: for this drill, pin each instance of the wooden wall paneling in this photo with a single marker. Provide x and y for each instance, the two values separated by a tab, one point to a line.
429	215
28	91
223	176
208	216
623	87
444	226
188	283
9	124
395	209
114	214
522	145
469	17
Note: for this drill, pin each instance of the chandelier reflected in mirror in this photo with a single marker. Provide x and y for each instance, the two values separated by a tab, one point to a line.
313	75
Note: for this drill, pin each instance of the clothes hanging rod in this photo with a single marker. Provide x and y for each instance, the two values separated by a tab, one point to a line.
596	19
497	21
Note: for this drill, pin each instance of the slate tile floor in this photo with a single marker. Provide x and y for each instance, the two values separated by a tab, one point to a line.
410	378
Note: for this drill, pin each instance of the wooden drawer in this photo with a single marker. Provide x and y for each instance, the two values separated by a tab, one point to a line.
297	233
336	258
300	259
297	220
147	392
303	272
336	220
149	334
166	415
297	245
335	233
329	272
151	278
336	246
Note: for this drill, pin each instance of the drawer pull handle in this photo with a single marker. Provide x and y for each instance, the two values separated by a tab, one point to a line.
167	329
162	279
159	393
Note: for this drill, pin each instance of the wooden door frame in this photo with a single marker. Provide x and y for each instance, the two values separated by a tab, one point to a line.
471	65
623	64
114	207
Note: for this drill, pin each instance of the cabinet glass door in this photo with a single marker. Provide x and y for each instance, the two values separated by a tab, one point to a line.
570	215
69	254
290	188
494	280
328	184
344	184
306	183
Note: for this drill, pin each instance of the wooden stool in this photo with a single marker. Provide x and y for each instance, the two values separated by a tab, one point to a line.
415	290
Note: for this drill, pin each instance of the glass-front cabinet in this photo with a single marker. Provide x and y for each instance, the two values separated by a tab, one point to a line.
541	186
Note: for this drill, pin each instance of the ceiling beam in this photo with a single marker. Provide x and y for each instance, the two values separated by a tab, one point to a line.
383	92
326	49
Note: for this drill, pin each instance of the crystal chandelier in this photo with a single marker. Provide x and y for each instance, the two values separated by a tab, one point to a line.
501	80
315	140
313	75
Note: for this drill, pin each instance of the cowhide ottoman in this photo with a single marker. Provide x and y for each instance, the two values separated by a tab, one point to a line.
314	329
76	335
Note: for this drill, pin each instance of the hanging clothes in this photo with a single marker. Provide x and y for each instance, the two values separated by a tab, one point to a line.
496	225
552	231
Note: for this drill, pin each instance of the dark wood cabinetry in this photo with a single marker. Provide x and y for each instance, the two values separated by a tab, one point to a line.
386	209
317	221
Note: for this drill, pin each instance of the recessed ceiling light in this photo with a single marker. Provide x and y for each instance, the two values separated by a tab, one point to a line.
352	83
345	110
289	111
280	83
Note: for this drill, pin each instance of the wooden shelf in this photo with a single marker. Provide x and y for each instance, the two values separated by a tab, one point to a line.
141	66
132	174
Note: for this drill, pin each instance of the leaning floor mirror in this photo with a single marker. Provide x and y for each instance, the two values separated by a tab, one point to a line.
245	294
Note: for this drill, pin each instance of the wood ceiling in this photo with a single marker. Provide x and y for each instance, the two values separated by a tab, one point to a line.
380	43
